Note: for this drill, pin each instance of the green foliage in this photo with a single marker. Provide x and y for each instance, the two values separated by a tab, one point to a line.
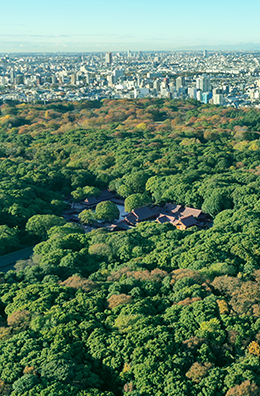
107	211
40	224
135	201
8	239
217	202
148	311
25	383
87	216
82	193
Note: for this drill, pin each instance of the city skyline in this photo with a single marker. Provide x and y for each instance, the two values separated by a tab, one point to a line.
227	78
116	26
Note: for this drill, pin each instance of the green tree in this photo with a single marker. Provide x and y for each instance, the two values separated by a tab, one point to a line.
136	181
87	216
84	192
40	224
8	239
25	383
59	369
135	201
217	202
107	211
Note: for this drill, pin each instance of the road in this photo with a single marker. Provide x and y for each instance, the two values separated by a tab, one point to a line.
8	261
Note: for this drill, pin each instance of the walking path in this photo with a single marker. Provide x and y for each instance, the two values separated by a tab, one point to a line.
8	261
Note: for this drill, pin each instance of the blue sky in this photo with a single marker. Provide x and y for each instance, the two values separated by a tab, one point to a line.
118	25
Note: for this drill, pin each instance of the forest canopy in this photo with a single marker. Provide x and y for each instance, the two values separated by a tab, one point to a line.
151	310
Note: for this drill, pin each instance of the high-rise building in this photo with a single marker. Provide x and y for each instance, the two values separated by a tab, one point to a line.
129	54
87	78
117	73
166	81
12	76
141	92
206	96
205	53
73	78
172	87
164	84
156	85
218	99
216	91
180	82
108	57
203	83
19	79
38	80
192	92
2	80
111	80
225	89
199	95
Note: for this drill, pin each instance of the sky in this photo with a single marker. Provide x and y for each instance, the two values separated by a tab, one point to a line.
120	25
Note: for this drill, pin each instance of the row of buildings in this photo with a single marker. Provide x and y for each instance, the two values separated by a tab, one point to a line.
225	78
179	216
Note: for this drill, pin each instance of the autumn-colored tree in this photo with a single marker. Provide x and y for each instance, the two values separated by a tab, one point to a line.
118	299
254	348
19	319
247	388
198	371
77	282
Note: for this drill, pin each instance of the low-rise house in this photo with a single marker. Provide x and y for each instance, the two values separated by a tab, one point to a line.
179	216
119	226
71	215
72	218
142	214
106	195
162	218
91	202
185	222
172	208
77	206
131	219
194	212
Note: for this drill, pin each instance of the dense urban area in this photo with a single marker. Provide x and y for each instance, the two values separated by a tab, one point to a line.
226	78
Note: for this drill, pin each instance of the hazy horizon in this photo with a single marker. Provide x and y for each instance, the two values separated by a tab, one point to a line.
250	47
84	26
